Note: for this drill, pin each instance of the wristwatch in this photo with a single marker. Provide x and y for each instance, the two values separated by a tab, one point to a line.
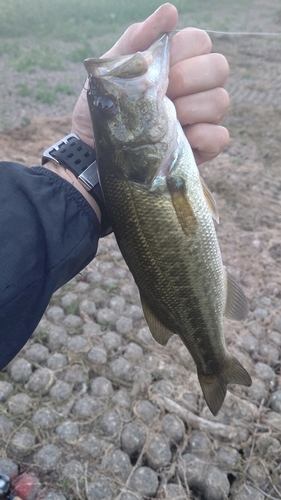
80	159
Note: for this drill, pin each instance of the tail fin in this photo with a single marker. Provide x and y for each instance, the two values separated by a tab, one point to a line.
214	387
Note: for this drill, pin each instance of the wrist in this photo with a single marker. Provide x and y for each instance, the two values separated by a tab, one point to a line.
70	177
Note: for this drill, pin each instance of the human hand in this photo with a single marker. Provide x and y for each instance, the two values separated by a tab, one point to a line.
196	78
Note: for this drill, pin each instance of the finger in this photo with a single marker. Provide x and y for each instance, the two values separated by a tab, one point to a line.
197	75
189	42
207	140
209	106
140	36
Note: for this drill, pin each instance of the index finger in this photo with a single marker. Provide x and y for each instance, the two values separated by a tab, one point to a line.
140	36
187	43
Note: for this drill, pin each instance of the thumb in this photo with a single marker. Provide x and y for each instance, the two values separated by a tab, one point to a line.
140	36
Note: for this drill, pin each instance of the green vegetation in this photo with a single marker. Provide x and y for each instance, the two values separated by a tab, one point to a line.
67	20
48	95
42	57
70	21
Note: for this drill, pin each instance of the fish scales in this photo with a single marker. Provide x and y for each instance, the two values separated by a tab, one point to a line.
161	213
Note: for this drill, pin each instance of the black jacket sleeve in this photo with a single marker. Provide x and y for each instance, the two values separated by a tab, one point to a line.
48	234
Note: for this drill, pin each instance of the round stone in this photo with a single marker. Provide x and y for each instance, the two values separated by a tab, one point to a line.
97	355
45	417
48	457
10	468
87	307
228	458
77	344
85	407
118	463
110	423
55	314
268	446
91	330
145	481
100	490
158	453
20	403
57	338
93	446
73	470
101	387
260	313
73	324
99	296
198	443
145	410
56	361
124	325
69	302
122	369
20	370
117	304
38	353
61	391
6	426
133	351
264	372
134	312
277	324
94	277
40	380
22	442
209	480
144	336
121	398
112	341
133	438
68	431
173	428
106	317
275	401
5	390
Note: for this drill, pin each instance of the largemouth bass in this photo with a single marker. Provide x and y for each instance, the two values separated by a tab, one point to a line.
161	213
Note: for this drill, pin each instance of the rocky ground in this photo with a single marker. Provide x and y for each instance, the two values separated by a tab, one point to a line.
92	407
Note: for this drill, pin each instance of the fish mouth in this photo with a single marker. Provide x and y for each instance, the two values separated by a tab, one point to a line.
127	66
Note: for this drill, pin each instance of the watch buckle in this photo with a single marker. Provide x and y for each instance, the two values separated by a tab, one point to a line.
47	154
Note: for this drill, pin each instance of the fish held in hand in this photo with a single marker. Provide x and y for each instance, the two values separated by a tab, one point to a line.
162	213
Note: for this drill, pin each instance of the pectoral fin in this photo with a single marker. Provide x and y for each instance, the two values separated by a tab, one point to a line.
236	306
211	202
181	204
159	332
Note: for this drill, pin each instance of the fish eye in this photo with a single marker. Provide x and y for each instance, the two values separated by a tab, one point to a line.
107	105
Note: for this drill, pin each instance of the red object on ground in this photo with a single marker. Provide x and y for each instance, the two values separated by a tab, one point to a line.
26	487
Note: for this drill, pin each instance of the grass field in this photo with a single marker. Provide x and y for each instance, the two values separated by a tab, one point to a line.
43	43
69	21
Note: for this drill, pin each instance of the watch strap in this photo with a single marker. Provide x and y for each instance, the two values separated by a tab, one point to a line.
80	159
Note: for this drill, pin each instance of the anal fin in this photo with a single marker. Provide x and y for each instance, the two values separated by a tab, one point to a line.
160	333
211	202
236	306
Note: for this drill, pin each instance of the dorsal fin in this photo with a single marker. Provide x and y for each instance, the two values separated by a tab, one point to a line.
159	331
211	202
236	306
